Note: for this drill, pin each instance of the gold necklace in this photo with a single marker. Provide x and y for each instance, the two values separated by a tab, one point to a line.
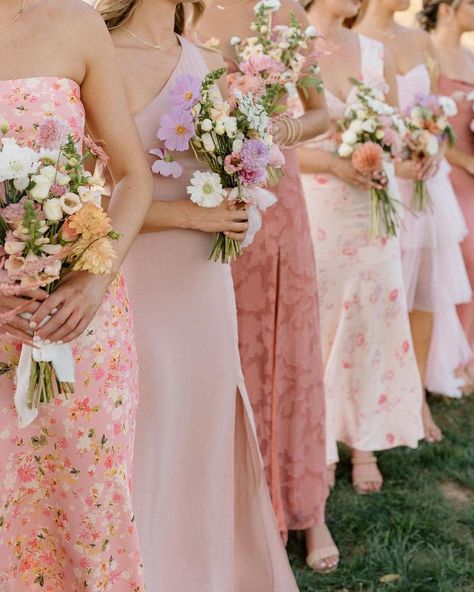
143	42
17	15
234	5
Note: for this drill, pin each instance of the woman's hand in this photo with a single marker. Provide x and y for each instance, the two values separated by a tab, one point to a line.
17	327
226	218
343	168
71	307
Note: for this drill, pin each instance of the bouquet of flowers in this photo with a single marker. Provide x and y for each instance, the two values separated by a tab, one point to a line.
371	135
232	139
51	223
282	55
427	128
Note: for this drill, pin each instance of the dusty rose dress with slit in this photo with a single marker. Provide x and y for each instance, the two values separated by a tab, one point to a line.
463	184
203	511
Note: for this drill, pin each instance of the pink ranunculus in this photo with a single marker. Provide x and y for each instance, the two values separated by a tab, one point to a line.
261	63
233	163
176	129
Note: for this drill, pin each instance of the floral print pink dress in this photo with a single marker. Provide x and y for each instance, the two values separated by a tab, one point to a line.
66	520
373	389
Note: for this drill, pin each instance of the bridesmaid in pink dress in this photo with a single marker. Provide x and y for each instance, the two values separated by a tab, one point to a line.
67	522
373	388
202	506
448	23
279	333
434	271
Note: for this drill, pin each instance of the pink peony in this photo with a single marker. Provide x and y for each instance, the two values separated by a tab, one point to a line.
368	158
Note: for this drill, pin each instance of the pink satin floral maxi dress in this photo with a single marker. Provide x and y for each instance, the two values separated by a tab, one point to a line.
203	511
373	388
66	518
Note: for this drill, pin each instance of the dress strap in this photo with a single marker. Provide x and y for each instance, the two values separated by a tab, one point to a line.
372	62
193	60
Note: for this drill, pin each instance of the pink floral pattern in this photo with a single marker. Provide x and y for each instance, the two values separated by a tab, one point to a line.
66	520
373	389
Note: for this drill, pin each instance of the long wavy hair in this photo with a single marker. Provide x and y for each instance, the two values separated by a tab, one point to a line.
118	12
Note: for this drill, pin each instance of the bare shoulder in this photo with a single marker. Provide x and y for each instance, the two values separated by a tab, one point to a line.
213	57
77	20
417	38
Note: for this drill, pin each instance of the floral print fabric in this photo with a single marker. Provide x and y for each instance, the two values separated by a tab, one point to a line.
66	520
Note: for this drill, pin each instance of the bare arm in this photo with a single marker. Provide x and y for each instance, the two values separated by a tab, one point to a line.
109	119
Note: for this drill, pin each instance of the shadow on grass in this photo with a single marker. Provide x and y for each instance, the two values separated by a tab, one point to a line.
421	527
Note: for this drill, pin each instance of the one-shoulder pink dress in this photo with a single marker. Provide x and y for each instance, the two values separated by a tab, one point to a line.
463	184
433	267
203	510
373	388
66	518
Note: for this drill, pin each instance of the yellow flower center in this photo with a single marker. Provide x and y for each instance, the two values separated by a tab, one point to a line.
207	189
188	95
180	130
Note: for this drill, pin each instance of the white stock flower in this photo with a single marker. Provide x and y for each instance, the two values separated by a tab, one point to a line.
349	137
272	5
206	189
230	125
16	162
356	126
448	105
206	125
311	32
208	143
52	209
345	150
235	40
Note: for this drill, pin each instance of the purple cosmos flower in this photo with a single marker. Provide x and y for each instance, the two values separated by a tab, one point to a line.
186	92
166	165
176	129
255	155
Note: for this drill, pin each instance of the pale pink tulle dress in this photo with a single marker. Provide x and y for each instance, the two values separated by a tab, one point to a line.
373	388
203	511
433	267
463	184
66	518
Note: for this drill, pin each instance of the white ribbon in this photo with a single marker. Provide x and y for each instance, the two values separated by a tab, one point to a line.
260	200
392	186
60	355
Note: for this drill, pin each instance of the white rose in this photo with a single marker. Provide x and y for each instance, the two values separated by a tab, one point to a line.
235	41
206	125
311	32
220	129
230	125
356	126
349	137
345	150
208	143
237	145
369	126
42	187
52	209
21	184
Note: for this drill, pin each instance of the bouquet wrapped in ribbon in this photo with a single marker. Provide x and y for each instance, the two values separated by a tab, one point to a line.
427	129
371	135
232	138
51	223
283	55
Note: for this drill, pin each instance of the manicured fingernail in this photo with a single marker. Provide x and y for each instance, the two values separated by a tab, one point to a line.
60	342
33	325
47	342
54	311
36	338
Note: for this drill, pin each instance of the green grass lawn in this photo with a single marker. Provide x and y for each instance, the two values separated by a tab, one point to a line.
420	528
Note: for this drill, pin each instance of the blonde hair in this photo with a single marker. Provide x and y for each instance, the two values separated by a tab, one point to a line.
117	12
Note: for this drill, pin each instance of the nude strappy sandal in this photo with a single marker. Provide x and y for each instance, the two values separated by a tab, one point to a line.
325	559
371	474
